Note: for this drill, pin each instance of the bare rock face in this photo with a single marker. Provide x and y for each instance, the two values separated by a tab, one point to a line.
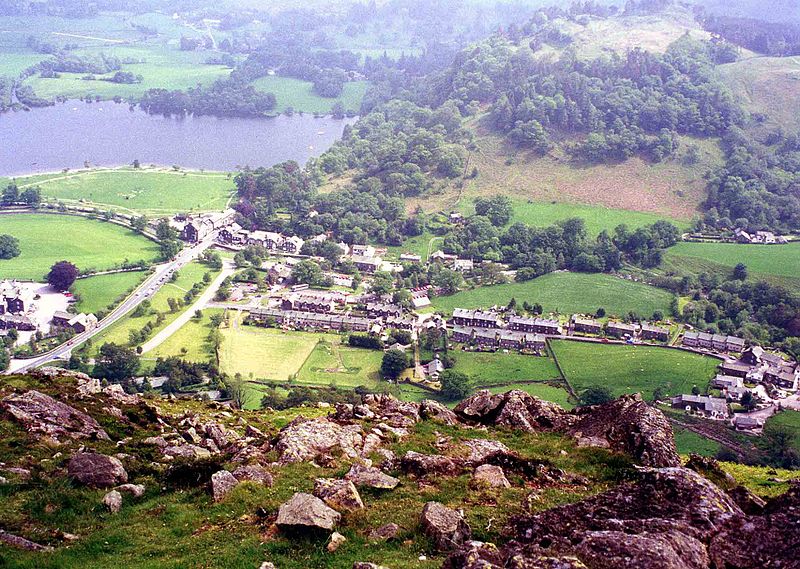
340	495
371	477
385	532
97	470
187	451
515	409
21	543
222	483
253	473
429	464
433	410
42	415
391	410
671	511
135	490
710	468
631	426
113	501
304	511
489	476
482	451
446	527
767	540
303	440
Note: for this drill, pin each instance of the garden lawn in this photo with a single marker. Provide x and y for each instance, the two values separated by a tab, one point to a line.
566	293
145	191
101	292
332	363
300	96
264	353
632	369
767	260
92	245
498	368
119	332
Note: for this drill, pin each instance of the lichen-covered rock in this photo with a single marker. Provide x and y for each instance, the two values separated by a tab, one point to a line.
489	476
429	464
97	470
710	468
391	410
385	532
335	541
304	440
435	411
515	409
304	511
446	527
482	451
341	495
135	490
631	426
40	414
222	483
253	473
371	477
187	451
113	501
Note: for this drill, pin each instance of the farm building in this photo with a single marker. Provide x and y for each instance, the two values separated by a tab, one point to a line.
366	264
17	322
652	332
734	368
383	310
78	322
747	423
620	329
410	258
586	325
535	325
337	322
14	298
476	318
324	304
785	377
711	407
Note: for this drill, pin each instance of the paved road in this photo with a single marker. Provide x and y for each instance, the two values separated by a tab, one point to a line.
186	315
146	290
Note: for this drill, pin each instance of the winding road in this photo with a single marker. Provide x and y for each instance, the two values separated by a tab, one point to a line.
144	291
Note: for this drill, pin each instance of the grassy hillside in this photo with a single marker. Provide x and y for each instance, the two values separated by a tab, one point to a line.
91	245
566	293
299	95
768	85
153	191
632	369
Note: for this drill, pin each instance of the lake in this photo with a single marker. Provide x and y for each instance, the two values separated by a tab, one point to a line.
109	134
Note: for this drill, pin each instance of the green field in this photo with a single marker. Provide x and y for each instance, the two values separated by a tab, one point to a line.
331	363
790	420
100	292
596	217
92	245
190	342
12	63
566	293
118	333
632	369
154	191
299	95
689	442
487	369
764	260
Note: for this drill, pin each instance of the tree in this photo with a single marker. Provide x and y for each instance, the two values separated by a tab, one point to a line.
497	208
748	401
62	275
394	363
32	197
238	392
740	272
10	194
595	395
778	442
139	223
382	283
448	281
9	247
455	384
116	363
307	272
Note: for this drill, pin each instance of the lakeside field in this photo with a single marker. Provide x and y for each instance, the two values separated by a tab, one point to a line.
155	191
300	96
90	244
632	369
100	292
762	260
566	293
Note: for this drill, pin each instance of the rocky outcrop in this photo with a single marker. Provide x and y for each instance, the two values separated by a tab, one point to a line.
222	483
631	426
335	542
304	511
97	470
341	495
371	477
481	451
446	527
385	532
304	440
42	415
420	464
134	490
435	411
515	409
768	540
253	473
21	543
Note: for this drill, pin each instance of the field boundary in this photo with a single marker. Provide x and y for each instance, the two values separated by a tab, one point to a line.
570	389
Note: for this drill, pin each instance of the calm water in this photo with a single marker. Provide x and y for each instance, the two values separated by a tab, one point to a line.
109	134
